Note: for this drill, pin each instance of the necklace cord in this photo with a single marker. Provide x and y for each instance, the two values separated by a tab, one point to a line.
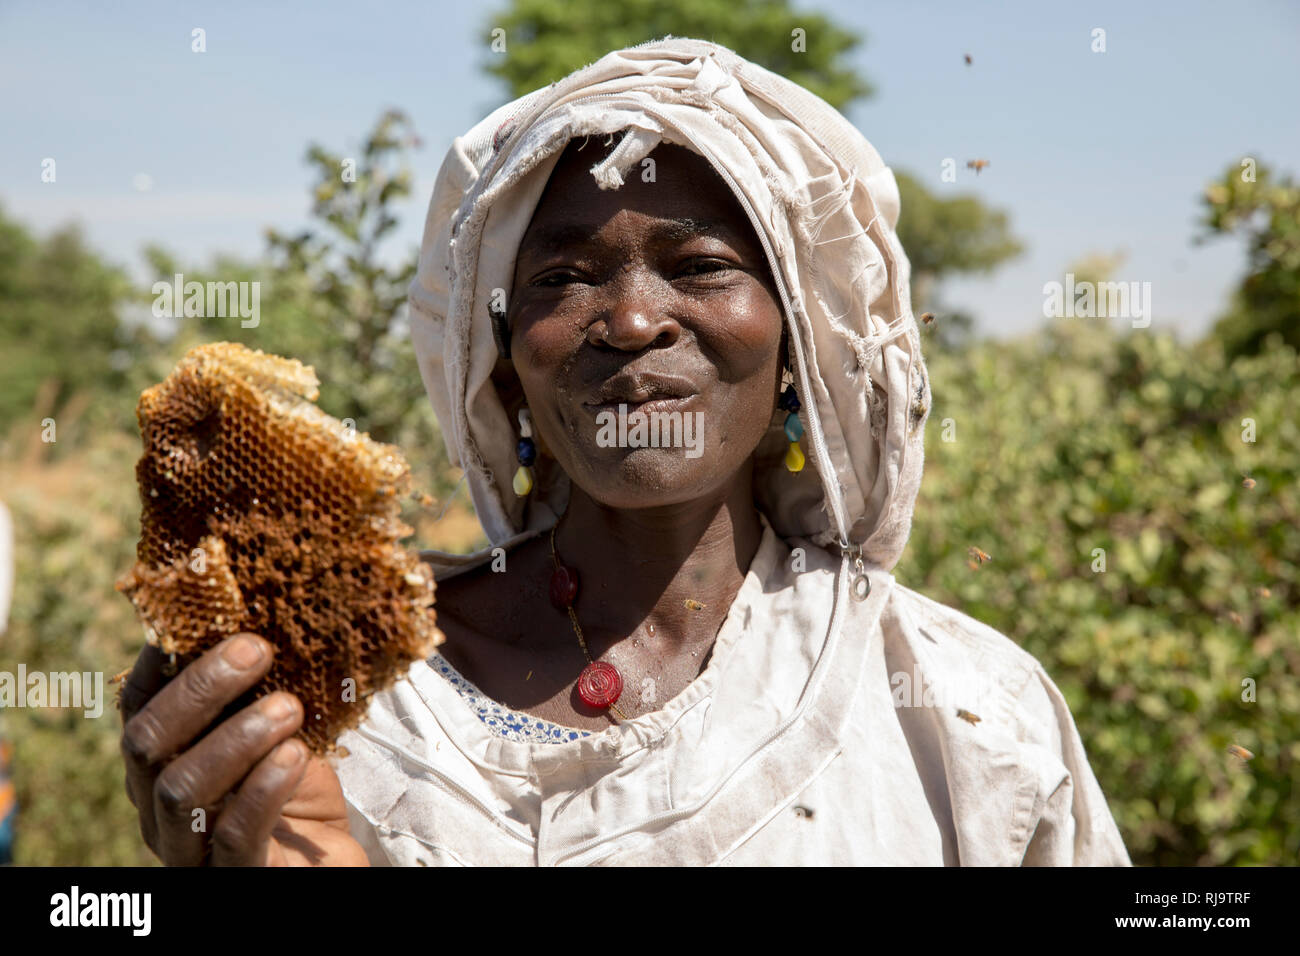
577	628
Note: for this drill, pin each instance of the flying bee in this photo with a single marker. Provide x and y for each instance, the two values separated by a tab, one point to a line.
977	164
968	59
1248	483
1241	753
927	317
694	605
979	556
1263	592
1235	618
967	716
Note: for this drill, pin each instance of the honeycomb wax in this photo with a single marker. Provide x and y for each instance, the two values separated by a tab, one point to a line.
261	513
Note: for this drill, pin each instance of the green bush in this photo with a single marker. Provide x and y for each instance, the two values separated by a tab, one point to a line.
1079	439
76	521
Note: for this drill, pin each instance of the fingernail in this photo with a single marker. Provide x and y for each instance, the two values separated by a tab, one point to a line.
243	653
278	707
288	754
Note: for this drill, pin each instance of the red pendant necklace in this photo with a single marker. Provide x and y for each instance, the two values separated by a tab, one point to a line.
600	683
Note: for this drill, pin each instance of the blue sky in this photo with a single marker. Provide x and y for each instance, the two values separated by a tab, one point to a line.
1090	152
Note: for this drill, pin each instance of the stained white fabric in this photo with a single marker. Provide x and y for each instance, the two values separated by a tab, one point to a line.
825	729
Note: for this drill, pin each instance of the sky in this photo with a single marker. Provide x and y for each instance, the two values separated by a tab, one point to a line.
1089	152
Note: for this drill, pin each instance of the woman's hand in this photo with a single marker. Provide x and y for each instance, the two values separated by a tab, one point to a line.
265	800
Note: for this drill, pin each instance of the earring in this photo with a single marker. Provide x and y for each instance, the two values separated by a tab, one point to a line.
499	330
789	401
526	452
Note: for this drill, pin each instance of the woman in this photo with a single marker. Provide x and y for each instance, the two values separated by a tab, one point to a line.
688	651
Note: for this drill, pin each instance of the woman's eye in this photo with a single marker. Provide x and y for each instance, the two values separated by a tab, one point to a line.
555	279
705	266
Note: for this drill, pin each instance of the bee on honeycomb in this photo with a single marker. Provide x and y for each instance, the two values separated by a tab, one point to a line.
261	513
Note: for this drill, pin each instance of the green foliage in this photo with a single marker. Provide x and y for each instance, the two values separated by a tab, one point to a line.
1248	200
945	237
1077	439
76	521
330	300
61	332
548	39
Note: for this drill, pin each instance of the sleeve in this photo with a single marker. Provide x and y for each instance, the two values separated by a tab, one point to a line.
1075	825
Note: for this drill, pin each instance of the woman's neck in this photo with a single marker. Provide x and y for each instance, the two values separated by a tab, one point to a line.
668	574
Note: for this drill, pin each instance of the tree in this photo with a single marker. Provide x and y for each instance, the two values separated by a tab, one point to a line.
332	300
943	237
346	307
1249	201
546	40
63	340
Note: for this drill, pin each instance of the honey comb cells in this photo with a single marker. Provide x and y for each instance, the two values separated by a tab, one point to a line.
261	513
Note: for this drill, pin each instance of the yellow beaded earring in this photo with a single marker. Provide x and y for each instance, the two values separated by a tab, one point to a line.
526	452
794	459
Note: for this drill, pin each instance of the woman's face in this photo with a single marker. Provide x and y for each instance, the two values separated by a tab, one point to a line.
655	296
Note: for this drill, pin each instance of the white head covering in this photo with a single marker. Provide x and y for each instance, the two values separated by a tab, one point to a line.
822	203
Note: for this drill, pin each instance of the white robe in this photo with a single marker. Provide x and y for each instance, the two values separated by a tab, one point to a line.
801	743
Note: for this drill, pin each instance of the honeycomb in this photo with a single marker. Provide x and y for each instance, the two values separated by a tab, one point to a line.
261	513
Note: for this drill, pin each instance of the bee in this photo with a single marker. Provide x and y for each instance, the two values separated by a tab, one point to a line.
802	811
1248	483
927	317
1235	618
423	498
694	605
119	677
977	557
977	165
967	716
1263	592
968	59
1241	753
343	752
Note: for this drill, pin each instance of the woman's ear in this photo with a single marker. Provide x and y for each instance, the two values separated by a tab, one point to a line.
511	395
509	390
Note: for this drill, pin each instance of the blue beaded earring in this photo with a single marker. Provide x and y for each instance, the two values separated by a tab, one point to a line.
526	452
794	459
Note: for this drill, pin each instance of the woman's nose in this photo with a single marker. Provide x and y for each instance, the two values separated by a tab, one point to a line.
634	320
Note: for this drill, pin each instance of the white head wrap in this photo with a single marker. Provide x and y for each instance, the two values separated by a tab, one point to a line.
821	201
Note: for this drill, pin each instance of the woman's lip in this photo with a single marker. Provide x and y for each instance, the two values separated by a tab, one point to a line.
662	404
